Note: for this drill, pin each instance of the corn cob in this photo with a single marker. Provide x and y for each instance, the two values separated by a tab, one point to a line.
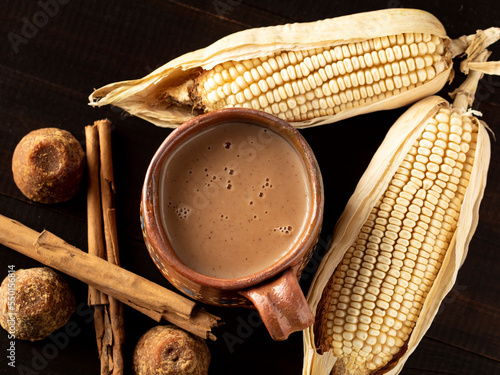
301	85
396	250
306	73
377	292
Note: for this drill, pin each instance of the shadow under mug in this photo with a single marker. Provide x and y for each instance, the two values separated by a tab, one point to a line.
274	291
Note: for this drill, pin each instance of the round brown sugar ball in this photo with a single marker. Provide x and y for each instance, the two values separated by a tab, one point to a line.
34	303
168	350
48	165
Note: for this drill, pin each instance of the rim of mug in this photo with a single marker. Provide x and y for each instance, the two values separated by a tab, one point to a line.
152	218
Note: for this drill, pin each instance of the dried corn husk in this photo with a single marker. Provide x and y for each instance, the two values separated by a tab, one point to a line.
372	184
145	97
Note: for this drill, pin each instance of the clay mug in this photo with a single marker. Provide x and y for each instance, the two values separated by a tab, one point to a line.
274	291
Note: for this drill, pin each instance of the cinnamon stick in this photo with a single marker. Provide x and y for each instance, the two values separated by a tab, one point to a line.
107	190
95	240
108	320
115	308
127	287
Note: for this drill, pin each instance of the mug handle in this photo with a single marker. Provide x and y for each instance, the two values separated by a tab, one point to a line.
281	304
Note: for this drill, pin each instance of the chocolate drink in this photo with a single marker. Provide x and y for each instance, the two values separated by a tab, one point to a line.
235	199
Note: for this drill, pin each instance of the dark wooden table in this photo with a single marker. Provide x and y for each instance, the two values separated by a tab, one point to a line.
52	55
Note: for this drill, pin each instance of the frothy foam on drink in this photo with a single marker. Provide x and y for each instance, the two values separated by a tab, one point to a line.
235	198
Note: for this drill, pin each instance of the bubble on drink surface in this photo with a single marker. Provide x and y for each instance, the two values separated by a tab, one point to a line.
261	194
227	145
182	212
229	170
267	184
287	229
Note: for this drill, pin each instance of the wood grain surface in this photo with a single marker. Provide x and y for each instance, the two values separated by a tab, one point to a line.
47	71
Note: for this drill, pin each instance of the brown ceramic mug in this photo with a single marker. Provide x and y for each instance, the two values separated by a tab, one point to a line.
274	291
